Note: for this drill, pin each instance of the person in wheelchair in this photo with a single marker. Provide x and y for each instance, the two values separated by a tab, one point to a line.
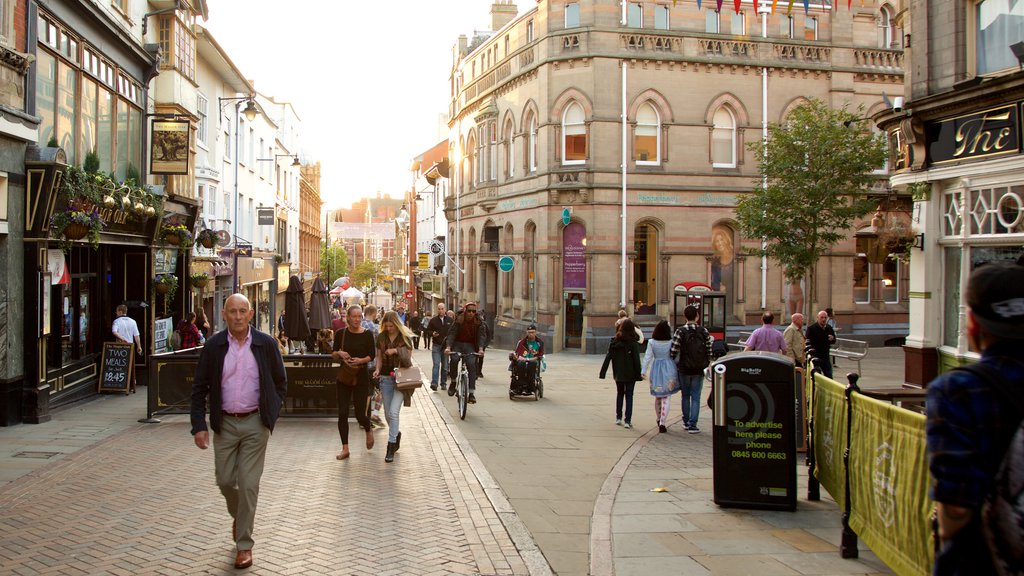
526	361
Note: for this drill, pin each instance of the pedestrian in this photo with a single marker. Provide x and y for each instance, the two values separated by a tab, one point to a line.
692	347
242	373
661	372
370	315
394	350
203	324
337	321
624	356
126	330
354	347
415	327
190	335
766	338
465	337
821	337
623	316
437	331
795	340
486	329
280	320
971	418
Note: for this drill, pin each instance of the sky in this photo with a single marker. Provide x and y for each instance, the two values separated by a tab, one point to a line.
367	79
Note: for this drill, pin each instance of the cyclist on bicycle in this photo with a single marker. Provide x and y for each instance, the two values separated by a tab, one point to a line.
465	337
527	356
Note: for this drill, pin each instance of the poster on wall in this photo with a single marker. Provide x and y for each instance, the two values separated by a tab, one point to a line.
165	261
169	153
161	332
574	257
44	305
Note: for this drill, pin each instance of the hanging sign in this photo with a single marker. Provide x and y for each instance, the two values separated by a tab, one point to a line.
265	216
169	153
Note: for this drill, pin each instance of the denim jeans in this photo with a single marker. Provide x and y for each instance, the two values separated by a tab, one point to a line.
392	405
624	392
439	371
691	386
453	369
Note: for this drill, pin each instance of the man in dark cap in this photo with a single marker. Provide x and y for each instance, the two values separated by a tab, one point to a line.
971	417
465	337
527	358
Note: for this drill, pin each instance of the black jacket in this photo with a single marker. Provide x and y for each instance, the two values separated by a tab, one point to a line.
481	332
624	357
439	324
273	380
818	338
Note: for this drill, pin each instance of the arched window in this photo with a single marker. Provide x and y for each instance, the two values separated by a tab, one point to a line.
510	151
531	144
574	135
471	176
647	138
885	30
723	139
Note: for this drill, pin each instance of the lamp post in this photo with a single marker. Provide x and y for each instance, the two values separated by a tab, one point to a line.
250	114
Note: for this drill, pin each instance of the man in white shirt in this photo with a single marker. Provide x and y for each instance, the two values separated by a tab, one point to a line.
126	330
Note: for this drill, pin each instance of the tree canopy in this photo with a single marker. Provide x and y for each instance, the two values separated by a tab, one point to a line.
333	261
369	273
819	167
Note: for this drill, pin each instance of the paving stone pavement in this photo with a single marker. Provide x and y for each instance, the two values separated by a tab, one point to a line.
143	501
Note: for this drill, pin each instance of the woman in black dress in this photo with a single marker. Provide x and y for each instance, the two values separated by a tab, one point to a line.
357	352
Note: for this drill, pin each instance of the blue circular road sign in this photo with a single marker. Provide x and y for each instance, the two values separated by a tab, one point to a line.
506	263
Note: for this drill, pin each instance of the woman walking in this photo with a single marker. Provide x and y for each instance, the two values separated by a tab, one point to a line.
624	356
354	347
394	350
661	372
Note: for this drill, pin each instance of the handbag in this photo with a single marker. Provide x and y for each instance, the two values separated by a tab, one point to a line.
348	375
408	378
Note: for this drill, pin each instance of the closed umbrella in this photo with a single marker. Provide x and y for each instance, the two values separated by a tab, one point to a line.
319	307
296	326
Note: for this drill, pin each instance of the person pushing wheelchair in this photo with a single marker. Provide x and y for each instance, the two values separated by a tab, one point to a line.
526	360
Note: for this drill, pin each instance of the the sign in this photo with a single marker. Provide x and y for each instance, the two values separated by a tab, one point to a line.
169	152
116	365
408	294
566	216
265	216
244	250
165	261
424	260
574	256
506	263
436	247
161	332
979	135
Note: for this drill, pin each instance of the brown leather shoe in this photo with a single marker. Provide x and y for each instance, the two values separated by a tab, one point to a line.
243	559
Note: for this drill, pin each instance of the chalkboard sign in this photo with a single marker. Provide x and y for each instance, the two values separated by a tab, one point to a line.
116	367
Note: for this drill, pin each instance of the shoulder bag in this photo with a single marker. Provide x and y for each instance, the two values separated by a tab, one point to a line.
348	375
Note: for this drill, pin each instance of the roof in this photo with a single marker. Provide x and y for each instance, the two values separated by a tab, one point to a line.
212	52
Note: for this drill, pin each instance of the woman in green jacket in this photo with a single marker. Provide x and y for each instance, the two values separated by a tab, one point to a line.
624	356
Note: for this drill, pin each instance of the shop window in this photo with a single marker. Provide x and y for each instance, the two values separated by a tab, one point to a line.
723	139
647	138
572	15
574	135
861	273
645	269
75	327
998	24
951	296
891	280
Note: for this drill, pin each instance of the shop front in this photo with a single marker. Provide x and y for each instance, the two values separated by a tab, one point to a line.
257	280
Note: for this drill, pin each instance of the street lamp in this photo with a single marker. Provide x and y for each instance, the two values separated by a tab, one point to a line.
250	114
295	159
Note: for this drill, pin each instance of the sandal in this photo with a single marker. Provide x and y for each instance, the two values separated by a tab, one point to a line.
369	440
344	454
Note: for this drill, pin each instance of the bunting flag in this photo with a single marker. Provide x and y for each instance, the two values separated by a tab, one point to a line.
719	10
848	4
807	7
774	2
698	4
737	4
755	8
789	10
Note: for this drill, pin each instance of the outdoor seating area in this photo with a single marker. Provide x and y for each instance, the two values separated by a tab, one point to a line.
849	349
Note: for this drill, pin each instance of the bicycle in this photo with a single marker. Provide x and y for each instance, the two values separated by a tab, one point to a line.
462	382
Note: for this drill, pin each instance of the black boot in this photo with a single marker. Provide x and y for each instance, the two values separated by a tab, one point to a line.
398	441
390	456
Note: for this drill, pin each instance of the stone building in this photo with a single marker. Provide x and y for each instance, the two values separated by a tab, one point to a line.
956	143
537	134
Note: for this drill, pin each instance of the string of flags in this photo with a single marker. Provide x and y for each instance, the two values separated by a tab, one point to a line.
789	9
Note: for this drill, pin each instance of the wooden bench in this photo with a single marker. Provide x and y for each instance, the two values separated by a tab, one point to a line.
854	350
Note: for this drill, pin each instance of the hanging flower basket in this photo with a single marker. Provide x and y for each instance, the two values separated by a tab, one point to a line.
207	239
77	221
177	235
165	285
75	231
200	280
172	239
162	288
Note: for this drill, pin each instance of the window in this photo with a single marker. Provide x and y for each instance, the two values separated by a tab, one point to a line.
661	17
227	142
711	22
6	19
240	141
998	25
510	152
635	16
531	144
891	280
211	201
506	44
739	24
574	135
572	15
529	31
861	273
202	129
723	139
885	31
787	23
177	38
647	138
492	150
810	29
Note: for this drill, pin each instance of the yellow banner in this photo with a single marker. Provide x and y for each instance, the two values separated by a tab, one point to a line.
829	413
424	260
890	507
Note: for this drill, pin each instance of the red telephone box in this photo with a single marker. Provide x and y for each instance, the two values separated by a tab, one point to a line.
710	305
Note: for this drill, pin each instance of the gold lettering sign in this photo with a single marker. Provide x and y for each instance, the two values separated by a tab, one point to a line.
973	133
974	136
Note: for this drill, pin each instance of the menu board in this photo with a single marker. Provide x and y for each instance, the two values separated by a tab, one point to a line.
116	366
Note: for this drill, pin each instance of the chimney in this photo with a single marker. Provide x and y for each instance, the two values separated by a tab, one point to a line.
502	12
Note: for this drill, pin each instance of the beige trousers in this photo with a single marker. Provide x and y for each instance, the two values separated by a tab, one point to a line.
238	453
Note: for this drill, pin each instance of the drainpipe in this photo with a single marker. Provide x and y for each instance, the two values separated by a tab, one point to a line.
622	259
765	10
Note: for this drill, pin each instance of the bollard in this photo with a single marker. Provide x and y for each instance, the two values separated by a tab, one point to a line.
848	544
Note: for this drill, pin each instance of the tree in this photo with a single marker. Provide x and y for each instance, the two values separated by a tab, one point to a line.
333	261
368	273
818	171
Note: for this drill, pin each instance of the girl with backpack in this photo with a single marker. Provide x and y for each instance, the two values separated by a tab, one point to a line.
661	372
624	356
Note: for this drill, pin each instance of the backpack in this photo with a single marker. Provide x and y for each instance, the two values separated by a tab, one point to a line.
693	351
175	340
1002	512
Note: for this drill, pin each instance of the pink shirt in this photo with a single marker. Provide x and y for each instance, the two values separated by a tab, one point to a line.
240	380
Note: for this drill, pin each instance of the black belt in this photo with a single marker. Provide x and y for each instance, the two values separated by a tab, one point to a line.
240	414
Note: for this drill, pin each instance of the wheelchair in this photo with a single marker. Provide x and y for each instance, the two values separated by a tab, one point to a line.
521	385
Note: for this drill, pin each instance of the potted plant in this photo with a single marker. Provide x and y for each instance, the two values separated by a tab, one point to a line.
177	235
76	222
278	259
200	280
166	285
207	238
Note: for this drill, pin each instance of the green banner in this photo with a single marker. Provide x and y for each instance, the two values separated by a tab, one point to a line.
890	508
829	413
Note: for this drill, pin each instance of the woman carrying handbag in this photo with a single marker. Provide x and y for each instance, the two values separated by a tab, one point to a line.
394	351
353	345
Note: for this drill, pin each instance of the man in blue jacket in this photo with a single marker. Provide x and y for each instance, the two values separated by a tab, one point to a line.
242	372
